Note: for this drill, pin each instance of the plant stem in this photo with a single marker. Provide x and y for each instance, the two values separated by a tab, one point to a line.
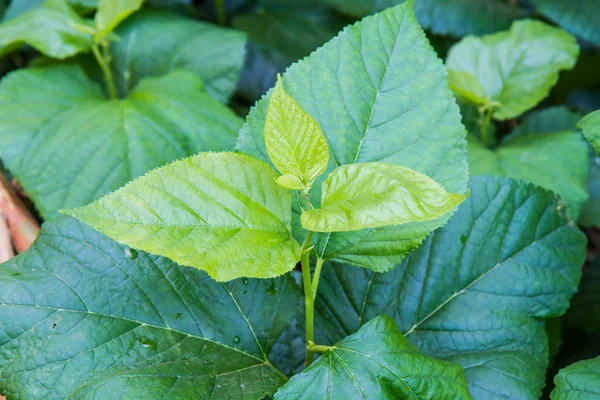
318	348
104	66
484	125
309	300
221	13
316	276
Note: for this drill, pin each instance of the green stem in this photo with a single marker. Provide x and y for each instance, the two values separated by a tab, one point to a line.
318	348
316	276
221	13
104	66
485	124
309	300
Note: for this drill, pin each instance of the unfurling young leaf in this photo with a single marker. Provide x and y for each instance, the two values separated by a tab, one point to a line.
590	126
579	381
111	13
219	212
294	141
369	195
53	29
516	68
377	362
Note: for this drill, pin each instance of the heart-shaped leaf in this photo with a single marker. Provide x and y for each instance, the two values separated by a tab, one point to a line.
154	42
580	381
379	93
516	68
68	145
537	153
219	212
476	292
370	195
377	362
83	317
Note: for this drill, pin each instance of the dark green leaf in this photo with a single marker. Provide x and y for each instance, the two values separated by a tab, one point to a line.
580	381
476	291
584	312
83	317
378	363
68	145
555	160
379	93
154	42
590	213
577	16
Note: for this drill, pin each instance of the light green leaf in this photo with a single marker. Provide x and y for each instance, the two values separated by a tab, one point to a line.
590	125
467	86
556	161
294	141
577	16
154	42
220	212
68	145
111	13
370	195
291	182
446	17
53	29
377	362
82	317
395	108
476	292
579	381
516	68
590	213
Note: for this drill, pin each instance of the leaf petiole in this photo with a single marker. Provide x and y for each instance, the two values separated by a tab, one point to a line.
103	60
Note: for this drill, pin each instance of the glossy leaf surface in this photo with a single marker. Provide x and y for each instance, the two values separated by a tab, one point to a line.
82	317
516	68
396	108
377	362
476	292
220	212
370	195
68	145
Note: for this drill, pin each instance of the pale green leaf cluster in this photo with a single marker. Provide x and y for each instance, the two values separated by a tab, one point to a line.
579	381
294	141
590	126
377	362
219	212
370	195
537	153
515	68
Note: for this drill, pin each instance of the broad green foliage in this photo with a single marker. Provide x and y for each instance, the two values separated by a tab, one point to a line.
590	213
82	317
370	195
476	291
516	68
580	381
454	17
294	141
577	16
154	42
377	362
590	125
68	145
111	13
379	93
557	161
219	212
59	31
16	8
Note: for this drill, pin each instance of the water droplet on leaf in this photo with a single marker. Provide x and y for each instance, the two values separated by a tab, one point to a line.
131	253
236	339
147	343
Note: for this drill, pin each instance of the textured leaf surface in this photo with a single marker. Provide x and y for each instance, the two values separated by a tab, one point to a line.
294	141
395	108
370	195
580	381
219	212
453	17
476	291
557	161
154	42
590	125
577	16
83	317
68	145
111	13
516	68
378	363
51	29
